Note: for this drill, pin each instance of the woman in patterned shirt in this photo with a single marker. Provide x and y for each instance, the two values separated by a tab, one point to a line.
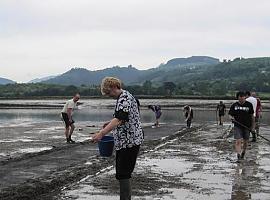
127	132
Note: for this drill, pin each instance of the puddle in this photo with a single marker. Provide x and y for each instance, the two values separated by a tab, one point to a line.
57	137
84	191
181	194
171	166
22	124
16	140
34	149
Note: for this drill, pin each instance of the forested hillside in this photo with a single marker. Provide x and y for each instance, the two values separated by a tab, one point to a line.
222	79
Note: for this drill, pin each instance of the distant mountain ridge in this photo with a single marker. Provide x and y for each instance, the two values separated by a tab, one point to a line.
82	76
192	61
129	75
4	81
38	80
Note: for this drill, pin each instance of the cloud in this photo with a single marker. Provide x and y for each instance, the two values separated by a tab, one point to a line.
49	37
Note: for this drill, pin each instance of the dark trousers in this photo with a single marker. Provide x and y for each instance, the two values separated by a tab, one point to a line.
125	162
188	123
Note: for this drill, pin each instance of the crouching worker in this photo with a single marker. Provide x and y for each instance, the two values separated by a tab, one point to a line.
157	110
127	132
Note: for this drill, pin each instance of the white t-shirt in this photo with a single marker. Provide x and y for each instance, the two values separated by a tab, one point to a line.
69	104
253	101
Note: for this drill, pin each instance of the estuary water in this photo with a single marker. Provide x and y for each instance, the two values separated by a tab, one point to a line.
28	126
15	112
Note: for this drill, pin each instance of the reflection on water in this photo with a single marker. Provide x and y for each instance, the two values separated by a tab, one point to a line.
13	117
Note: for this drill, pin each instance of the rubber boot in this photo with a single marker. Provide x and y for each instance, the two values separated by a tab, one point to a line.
125	190
254	139
70	140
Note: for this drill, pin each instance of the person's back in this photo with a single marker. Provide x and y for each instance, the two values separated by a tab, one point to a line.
188	112
258	108
157	108
258	115
252	100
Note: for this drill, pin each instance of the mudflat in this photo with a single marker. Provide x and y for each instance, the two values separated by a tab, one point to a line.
174	163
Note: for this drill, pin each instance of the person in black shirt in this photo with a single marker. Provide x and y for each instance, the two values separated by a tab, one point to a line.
241	113
221	110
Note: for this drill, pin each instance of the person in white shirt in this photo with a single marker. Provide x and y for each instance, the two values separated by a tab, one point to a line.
66	114
253	101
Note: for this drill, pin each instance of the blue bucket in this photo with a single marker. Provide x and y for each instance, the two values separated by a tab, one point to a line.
105	146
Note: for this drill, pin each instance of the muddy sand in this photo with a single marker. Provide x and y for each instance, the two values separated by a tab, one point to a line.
174	163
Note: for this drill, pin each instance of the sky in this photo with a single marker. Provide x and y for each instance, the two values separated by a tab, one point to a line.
41	38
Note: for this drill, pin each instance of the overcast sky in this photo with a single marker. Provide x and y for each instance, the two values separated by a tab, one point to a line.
48	37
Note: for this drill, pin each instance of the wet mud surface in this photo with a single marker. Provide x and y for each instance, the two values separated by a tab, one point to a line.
199	164
174	163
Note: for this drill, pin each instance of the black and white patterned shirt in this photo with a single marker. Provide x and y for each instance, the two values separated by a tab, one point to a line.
129	133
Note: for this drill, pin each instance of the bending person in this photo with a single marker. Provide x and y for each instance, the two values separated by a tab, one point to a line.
66	115
157	110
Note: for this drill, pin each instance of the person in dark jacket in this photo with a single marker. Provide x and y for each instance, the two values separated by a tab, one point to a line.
188	113
241	113
221	110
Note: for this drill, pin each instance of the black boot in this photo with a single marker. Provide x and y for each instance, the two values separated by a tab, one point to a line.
254	139
243	154
125	190
70	140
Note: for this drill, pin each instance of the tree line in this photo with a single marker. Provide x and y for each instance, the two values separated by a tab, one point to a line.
148	88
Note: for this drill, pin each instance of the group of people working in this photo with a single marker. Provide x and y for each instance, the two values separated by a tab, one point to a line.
125	126
188	114
128	133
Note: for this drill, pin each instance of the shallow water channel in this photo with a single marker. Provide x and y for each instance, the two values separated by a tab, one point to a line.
197	166
34	125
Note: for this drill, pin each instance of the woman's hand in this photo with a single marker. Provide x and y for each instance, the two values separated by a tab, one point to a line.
97	137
